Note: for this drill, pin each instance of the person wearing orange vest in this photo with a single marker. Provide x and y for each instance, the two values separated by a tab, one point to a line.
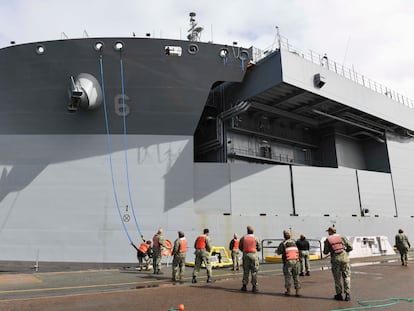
290	257
158	243
339	247
144	252
250	245
179	252
202	255
235	252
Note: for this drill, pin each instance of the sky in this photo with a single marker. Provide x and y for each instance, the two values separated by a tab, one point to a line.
374	37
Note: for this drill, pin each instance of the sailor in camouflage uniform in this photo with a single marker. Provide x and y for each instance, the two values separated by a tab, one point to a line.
158	243
235	252
403	245
339	247
250	245
179	252
202	247
290	257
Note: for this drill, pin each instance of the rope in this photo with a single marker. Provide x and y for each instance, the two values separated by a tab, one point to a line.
109	149
126	149
243	61
371	304
367	304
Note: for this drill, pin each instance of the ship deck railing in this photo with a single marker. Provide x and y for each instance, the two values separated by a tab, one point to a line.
325	61
266	156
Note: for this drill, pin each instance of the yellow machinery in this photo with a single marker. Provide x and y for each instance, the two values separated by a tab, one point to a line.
219	257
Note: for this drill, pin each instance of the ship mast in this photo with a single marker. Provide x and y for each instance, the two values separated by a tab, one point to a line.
194	32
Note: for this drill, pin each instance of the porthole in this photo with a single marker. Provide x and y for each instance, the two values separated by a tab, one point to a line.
224	53
192	48
40	49
98	46
119	45
244	55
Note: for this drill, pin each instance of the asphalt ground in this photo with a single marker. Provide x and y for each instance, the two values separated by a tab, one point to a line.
377	282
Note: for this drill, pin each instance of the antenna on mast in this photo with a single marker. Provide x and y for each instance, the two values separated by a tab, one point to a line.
194	32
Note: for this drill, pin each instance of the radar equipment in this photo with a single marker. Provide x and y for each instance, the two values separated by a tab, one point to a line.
194	32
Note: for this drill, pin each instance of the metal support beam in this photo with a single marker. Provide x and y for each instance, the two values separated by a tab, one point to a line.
347	121
287	114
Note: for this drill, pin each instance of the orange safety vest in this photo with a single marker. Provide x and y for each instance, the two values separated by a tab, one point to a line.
292	252
201	242
236	243
249	244
183	245
144	247
156	240
336	243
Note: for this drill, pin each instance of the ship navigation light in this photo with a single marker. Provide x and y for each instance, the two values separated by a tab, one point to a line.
192	15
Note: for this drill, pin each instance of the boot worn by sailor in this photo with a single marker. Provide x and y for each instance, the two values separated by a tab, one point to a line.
194	280
338	297
297	292
287	292
254	289
209	280
347	297
244	288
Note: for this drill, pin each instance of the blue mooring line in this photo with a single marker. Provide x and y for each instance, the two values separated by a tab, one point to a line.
126	148
110	151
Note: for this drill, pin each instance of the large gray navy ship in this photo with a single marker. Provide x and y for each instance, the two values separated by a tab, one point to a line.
104	140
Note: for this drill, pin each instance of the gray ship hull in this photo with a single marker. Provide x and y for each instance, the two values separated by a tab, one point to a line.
164	94
71	187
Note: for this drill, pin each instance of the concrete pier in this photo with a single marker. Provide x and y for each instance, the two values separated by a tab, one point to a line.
58	286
